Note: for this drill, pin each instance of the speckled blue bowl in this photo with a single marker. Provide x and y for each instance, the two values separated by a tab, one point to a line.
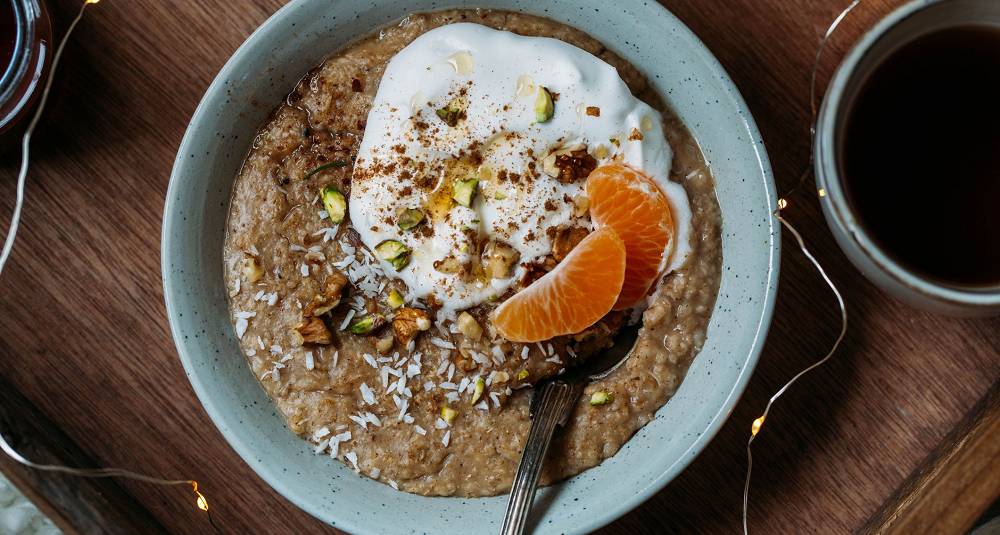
265	68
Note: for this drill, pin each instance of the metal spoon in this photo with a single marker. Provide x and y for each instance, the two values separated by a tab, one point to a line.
552	402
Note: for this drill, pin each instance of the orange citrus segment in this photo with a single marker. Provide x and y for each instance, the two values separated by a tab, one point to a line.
571	297
631	203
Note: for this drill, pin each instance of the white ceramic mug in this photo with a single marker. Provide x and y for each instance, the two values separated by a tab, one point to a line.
898	28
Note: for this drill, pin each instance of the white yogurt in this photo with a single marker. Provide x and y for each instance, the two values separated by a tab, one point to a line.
494	76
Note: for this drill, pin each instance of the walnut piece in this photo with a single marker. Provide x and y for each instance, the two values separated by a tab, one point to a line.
329	298
251	269
566	239
468	326
499	260
312	330
408	323
569	164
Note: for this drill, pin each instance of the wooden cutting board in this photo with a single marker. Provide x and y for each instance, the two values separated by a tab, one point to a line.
899	430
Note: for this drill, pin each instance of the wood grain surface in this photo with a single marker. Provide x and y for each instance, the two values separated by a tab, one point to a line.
84	337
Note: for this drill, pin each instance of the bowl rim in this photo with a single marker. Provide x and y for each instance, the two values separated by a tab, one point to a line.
760	325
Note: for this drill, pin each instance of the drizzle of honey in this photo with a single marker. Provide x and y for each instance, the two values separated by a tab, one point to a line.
525	86
440	202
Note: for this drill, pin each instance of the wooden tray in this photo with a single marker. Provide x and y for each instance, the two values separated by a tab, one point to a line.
899	432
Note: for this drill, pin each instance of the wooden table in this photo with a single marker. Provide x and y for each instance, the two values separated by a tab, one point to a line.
905	413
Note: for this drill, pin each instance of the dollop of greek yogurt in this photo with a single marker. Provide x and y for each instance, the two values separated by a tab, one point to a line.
461	102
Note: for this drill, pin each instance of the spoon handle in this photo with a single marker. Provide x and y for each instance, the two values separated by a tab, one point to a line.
551	405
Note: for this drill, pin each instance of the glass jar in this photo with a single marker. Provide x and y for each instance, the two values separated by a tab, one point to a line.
25	55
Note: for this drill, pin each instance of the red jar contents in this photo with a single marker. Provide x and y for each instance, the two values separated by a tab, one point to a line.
25	50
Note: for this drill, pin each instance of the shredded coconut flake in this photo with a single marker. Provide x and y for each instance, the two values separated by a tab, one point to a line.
353	458
347	319
446	438
443	344
367	394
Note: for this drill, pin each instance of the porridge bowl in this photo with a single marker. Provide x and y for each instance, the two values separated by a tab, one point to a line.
291	295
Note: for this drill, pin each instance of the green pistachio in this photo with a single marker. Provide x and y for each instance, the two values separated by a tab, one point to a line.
367	324
544	106
395	299
450	114
334	202
393	252
601	398
480	388
464	191
410	218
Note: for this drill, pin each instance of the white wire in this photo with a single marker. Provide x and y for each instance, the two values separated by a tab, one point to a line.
9	245
798	238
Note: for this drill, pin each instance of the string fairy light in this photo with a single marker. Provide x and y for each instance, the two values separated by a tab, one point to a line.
200	501
783	204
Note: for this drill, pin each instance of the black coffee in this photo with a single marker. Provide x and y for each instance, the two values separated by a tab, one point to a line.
921	155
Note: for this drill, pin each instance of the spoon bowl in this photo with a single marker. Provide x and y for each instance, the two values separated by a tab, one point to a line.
552	402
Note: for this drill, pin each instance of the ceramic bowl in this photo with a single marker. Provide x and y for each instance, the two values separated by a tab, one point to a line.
265	68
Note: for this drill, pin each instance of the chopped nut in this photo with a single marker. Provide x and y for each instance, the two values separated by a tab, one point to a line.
448	414
450	265
499	259
394	252
312	330
335	203
251	269
593	111
478	390
501	377
330	297
566	239
549	162
468	326
601	398
384	344
544	105
409	322
569	164
368	324
464	191
574	166
409	218
635	135
451	114
395	298
581	205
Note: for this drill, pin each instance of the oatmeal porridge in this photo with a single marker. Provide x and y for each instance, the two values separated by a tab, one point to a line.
401	220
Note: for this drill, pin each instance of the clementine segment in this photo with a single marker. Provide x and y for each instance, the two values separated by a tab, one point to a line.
573	296
630	202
